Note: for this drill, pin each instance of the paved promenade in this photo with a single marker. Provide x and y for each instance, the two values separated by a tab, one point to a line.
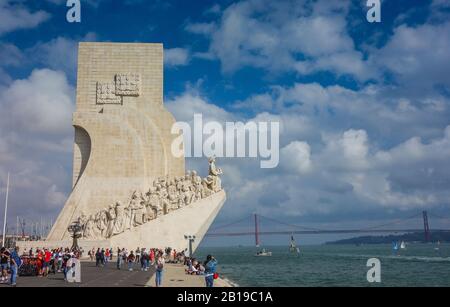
175	276
109	276
91	276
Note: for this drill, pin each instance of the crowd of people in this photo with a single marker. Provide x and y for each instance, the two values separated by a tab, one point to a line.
40	263
43	262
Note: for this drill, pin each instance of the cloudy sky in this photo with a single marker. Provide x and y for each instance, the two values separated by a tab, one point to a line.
363	107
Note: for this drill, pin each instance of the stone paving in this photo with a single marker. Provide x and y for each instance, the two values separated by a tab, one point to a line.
92	276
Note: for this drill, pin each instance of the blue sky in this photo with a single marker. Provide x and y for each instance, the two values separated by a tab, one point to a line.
364	107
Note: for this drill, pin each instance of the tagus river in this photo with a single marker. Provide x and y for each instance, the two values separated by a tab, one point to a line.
334	265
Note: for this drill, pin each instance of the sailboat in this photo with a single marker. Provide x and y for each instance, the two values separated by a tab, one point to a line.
292	247
395	247
403	245
263	253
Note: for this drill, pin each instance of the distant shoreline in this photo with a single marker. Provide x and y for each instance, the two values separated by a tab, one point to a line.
415	237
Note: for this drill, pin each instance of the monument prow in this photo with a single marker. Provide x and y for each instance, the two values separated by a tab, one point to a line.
129	190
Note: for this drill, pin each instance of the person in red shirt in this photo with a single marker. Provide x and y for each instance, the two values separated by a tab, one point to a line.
39	261
47	259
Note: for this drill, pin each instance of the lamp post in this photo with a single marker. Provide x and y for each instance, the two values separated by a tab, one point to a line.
191	240
75	232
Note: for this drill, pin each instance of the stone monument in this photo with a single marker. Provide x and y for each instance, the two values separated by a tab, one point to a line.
129	190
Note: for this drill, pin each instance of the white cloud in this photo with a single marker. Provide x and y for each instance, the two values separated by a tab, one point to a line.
348	151
184	106
41	103
176	57
15	16
54	197
418	56
36	140
271	36
59	53
10	55
343	150
296	157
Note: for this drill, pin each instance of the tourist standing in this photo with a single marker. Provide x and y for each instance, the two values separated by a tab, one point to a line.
144	260
131	259
98	257
4	264
210	270
15	263
66	258
152	256
159	269
107	255
60	259
138	255
46	263
120	256
102	257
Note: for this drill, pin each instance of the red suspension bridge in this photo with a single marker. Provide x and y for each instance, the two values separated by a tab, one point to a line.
298	229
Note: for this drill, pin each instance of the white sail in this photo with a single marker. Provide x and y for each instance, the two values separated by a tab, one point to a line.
292	246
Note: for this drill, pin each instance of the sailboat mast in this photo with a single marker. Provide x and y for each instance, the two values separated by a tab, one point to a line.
256	231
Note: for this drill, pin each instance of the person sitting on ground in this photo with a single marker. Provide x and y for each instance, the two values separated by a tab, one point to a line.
192	269
201	269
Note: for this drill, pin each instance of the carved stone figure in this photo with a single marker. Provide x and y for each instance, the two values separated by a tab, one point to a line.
213	180
139	215
134	207
173	195
119	225
111	214
100	224
103	223
206	191
127	218
89	228
187	195
164	196
82	221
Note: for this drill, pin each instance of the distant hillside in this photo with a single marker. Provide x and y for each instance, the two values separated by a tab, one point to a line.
442	236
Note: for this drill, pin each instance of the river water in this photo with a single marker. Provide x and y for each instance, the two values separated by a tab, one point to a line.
333	265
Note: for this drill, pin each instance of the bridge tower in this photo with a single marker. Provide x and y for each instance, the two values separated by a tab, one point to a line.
256	231
426	226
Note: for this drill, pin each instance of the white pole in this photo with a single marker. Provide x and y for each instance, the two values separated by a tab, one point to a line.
6	212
